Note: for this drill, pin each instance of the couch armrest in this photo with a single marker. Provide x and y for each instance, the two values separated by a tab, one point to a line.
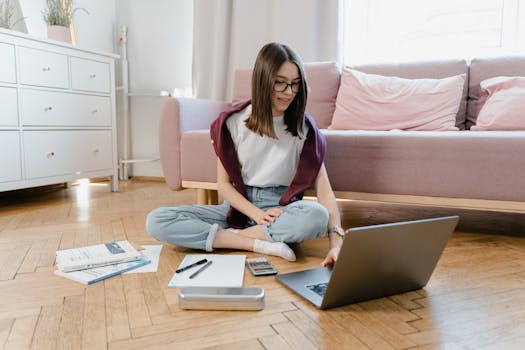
178	116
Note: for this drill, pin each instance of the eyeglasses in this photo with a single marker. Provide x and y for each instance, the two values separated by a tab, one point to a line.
282	86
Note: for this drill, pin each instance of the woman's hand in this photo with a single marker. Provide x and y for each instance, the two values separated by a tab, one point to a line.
331	257
267	217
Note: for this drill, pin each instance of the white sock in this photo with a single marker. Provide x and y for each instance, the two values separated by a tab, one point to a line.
274	248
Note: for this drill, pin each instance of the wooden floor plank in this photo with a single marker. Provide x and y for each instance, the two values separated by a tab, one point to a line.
274	342
192	335
5	329
516	343
21	333
67	240
94	319
32	258
367	333
407	300
48	253
13	222
153	294
71	323
391	330
119	233
293	336
250	344
136	305
47	327
323	331
13	261
116	311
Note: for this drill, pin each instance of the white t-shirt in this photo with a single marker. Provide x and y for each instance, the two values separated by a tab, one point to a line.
265	161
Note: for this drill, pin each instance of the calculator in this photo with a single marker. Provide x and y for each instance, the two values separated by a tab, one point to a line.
260	267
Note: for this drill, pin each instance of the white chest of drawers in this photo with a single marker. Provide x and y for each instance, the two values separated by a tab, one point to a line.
57	113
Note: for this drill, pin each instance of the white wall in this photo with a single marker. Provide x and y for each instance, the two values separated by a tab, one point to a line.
95	31
159	56
32	12
308	26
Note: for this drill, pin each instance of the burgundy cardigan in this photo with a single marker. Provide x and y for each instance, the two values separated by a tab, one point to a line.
310	161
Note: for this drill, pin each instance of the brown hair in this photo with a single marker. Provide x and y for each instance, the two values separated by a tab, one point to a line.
270	58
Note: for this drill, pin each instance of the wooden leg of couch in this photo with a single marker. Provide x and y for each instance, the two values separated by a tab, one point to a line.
205	196
202	196
213	197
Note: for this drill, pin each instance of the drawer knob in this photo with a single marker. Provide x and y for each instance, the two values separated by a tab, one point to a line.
92	75
47	109
94	110
50	154
96	151
46	69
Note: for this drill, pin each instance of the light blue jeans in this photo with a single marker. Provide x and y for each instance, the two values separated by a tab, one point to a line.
195	226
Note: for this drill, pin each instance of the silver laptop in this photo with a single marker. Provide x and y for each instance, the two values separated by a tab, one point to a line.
376	261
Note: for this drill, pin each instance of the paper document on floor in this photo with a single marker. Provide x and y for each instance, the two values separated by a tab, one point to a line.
151	253
224	271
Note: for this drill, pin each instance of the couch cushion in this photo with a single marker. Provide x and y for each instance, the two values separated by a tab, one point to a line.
401	162
198	160
505	105
377	102
242	89
459	164
485	68
323	83
425	69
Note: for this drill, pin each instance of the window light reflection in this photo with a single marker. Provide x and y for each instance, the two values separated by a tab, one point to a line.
82	199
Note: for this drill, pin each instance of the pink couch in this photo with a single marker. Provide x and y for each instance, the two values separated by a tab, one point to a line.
482	169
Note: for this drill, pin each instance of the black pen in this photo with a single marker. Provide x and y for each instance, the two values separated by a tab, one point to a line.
202	261
201	269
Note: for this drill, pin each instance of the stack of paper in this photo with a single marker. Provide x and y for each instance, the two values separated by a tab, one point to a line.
224	271
97	262
96	255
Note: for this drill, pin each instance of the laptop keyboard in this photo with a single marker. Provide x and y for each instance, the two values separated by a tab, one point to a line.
319	288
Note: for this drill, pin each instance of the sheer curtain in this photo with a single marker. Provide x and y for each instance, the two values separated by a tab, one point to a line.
229	33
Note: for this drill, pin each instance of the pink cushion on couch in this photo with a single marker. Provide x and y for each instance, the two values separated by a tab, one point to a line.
242	89
504	108
376	102
484	68
323	82
437	69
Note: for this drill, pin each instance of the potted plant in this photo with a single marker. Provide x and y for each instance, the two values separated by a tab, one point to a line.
58	15
6	15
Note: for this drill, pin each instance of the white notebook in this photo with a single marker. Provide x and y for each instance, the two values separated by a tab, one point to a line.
224	271
95	255
96	274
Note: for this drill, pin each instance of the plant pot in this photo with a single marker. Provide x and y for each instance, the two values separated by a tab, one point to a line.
59	33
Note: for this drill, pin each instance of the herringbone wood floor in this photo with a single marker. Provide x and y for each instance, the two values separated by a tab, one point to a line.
474	299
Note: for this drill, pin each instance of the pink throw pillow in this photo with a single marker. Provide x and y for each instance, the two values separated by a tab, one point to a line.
376	102
505	104
242	85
